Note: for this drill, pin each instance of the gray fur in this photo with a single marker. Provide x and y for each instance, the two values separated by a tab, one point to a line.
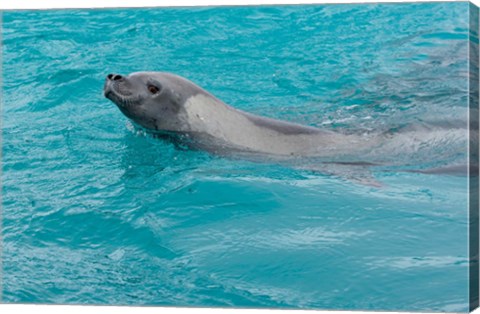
282	127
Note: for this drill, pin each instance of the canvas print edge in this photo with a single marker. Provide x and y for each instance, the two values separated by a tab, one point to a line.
474	155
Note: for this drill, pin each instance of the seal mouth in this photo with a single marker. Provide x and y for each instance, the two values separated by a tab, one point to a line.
121	100
111	91
107	88
107	94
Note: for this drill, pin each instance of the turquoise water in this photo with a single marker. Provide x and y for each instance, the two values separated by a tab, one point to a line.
96	212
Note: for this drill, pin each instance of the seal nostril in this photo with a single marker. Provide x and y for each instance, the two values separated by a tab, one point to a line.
114	77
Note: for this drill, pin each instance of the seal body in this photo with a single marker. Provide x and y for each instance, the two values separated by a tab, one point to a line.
167	103
173	107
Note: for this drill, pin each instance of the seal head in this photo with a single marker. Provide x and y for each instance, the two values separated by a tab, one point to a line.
153	100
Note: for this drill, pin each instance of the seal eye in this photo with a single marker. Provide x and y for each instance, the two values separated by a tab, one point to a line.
153	89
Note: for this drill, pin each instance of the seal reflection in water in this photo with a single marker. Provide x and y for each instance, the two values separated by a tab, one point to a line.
176	108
